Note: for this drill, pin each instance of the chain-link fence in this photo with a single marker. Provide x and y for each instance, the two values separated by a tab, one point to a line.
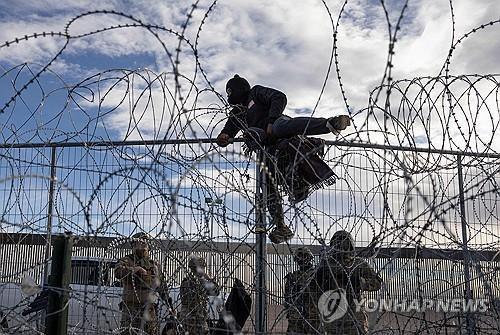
425	221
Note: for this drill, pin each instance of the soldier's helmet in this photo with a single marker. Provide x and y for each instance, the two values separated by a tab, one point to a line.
302	255
140	237
342	242
197	264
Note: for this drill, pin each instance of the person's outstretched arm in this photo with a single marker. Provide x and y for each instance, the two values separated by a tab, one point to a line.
162	289
370	280
126	267
211	286
288	301
231	128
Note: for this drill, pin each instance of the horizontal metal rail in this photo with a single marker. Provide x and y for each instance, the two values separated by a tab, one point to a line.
211	140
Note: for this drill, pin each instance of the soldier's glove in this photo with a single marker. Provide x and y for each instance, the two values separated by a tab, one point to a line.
140	271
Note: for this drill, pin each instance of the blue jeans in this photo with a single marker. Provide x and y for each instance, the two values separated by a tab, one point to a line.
286	126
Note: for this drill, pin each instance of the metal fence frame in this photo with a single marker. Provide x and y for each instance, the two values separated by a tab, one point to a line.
466	254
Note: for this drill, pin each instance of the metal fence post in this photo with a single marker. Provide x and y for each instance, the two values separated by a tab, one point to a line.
50	210
56	322
470	322
260	245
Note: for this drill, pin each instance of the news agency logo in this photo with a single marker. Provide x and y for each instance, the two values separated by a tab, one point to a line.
332	305
458	305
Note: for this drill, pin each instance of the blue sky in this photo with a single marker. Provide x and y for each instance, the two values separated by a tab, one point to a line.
277	44
283	44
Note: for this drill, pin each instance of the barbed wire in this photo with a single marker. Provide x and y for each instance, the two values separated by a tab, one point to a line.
419	165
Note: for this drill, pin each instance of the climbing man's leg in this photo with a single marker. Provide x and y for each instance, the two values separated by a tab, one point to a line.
286	126
280	232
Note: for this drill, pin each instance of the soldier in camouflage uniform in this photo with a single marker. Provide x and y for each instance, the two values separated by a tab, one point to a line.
195	289
343	270
141	278
301	310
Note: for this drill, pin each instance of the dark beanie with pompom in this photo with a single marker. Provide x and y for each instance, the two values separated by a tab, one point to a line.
238	90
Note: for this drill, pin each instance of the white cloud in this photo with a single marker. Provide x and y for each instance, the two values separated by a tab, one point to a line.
275	44
271	43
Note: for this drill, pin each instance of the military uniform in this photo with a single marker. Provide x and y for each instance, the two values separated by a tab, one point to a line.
139	299
342	270
301	310
195	289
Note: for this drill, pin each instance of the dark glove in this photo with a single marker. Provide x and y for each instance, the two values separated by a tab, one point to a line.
223	140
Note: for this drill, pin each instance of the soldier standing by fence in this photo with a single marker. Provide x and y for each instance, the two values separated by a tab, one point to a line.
141	278
195	289
349	276
301	310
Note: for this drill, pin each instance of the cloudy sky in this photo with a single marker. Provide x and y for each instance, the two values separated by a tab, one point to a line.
120	84
282	44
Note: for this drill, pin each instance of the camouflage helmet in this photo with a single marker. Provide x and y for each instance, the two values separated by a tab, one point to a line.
303	255
140	237
342	241
196	263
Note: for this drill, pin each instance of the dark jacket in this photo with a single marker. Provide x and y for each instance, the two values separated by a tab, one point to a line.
299	159
296	161
264	106
237	307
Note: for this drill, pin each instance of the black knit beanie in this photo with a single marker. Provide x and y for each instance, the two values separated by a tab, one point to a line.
237	89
